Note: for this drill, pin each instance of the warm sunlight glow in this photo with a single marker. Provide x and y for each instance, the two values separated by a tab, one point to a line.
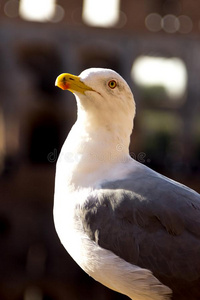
102	13
170	73
37	10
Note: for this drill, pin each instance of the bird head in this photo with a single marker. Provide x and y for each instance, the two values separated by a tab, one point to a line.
102	94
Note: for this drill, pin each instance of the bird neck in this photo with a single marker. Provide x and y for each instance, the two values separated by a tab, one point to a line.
93	151
102	143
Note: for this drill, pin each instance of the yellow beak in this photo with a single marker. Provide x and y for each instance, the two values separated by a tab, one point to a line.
71	83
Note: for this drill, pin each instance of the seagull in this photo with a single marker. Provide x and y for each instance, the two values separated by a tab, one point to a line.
132	229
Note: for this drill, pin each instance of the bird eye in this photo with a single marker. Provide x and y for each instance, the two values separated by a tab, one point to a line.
112	84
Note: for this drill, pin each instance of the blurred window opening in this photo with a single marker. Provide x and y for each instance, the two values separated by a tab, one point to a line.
43	135
36	58
162	133
168	74
102	13
37	10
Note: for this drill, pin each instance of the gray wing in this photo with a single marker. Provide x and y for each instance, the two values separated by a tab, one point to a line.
151	222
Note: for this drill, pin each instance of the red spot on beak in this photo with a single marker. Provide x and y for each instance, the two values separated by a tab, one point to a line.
64	85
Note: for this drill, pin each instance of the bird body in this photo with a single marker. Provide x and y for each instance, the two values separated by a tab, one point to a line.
130	228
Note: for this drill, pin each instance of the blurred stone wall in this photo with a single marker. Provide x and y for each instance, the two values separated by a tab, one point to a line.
35	118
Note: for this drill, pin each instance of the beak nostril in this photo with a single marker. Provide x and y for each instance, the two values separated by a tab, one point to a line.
71	78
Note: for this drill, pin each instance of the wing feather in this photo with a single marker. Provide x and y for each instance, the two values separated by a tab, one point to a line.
151	222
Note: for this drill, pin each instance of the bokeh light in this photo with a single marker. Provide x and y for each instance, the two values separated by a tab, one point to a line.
186	24
11	8
58	15
170	23
153	22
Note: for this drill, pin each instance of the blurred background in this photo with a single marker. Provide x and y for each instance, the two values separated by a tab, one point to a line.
155	46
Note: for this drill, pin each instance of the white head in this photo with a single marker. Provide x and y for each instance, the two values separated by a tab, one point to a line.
103	98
